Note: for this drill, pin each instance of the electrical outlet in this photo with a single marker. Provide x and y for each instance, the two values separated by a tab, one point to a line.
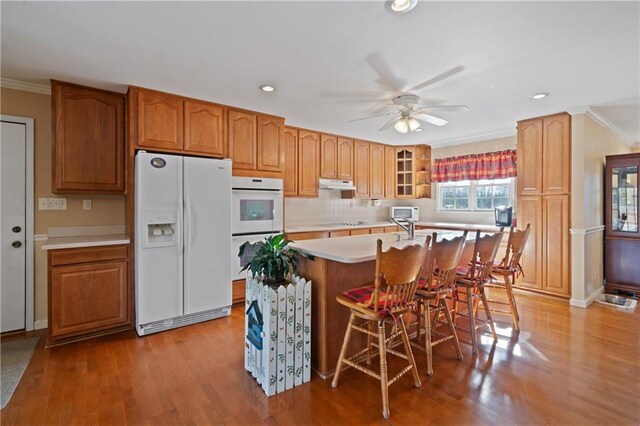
52	203
86	205
42	203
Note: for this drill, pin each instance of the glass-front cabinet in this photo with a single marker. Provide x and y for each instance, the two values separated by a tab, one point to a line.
622	228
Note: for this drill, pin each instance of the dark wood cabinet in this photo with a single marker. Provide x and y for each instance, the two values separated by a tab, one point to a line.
88	140
622	224
88	292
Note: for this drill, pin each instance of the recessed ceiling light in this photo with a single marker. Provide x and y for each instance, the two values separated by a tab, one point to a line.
267	88
539	95
401	6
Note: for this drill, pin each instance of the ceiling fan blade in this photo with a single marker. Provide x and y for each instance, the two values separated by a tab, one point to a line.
365	94
381	107
427	118
446	108
372	116
388	80
390	123
453	71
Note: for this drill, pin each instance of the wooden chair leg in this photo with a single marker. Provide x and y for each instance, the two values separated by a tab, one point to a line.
409	352
512	303
472	322
485	303
369	342
384	381
427	338
345	344
452	327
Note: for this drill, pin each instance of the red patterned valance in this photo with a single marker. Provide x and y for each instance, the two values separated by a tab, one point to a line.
490	165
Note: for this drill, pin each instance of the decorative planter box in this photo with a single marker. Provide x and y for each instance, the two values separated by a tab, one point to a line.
278	333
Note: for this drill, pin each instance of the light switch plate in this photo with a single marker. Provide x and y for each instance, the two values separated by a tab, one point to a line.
52	203
86	205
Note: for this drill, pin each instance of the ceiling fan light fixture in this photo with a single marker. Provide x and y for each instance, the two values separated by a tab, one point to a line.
402	126
414	124
402	6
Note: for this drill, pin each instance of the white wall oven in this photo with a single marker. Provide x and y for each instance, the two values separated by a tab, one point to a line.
257	205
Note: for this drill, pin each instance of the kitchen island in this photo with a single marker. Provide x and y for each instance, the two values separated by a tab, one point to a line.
341	264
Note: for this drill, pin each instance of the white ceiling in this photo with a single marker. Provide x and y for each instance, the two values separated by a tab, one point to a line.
583	53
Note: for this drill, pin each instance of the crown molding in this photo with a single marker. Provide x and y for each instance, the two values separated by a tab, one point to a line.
42	89
474	138
604	122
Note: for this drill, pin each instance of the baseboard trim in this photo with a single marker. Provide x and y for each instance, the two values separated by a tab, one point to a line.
39	325
589	300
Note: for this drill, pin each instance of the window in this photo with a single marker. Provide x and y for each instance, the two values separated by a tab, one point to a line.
476	195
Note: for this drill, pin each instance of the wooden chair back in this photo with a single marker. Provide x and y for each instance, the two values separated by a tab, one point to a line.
445	258
515	248
484	254
397	273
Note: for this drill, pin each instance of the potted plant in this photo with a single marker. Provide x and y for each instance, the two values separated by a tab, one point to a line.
272	258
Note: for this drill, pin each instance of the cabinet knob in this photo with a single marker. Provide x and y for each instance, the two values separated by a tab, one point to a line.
16	244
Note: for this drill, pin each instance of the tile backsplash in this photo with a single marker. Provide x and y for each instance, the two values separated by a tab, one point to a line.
329	207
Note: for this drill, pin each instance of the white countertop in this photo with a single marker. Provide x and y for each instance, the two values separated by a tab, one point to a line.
452	225
85	241
362	248
335	226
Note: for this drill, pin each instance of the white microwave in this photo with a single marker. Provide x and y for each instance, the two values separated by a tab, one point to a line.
405	213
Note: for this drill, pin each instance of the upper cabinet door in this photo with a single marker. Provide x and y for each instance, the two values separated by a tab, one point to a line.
389	171
345	158
328	157
530	157
243	139
376	170
556	157
88	140
160	120
308	163
361	168
290	137
270	144
204	129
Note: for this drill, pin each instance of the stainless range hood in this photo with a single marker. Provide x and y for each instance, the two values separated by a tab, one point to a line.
342	185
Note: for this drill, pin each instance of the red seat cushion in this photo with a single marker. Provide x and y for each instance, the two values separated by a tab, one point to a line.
364	294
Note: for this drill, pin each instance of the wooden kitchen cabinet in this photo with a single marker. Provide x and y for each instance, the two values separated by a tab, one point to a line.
88	140
339	233
376	170
290	137
405	172
389	171
361	168
243	139
88	292
556	154
544	171
204	129
308	163
270	144
328	156
160	120
360	231
299	236
345	159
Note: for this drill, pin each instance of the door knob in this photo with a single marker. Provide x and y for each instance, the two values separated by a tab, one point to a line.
16	229
16	244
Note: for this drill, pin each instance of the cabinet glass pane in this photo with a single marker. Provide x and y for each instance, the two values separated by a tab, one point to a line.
624	199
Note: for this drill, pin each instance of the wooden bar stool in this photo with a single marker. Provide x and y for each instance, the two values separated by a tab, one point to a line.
508	269
470	281
431	297
385	302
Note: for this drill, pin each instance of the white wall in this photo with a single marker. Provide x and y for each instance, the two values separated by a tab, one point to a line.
428	207
591	142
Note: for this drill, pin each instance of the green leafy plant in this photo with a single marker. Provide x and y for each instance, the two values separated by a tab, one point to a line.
273	258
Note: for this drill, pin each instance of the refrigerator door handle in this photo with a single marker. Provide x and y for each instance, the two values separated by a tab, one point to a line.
188	227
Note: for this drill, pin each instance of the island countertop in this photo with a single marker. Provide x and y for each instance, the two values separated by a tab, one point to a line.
362	248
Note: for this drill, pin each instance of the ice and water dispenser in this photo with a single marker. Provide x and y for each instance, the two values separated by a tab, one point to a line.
162	229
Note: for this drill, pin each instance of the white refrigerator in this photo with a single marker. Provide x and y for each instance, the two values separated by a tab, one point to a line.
182	241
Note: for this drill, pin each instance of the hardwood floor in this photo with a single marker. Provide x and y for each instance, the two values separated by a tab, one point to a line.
566	366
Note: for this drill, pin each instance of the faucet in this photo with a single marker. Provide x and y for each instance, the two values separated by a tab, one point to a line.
410	227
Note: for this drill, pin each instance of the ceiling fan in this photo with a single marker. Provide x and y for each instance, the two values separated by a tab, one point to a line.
410	114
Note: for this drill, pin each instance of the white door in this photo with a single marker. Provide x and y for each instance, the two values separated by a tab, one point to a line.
158	242
207	234
12	228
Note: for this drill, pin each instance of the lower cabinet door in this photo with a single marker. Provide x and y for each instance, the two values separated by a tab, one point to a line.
530	212
88	298
556	263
